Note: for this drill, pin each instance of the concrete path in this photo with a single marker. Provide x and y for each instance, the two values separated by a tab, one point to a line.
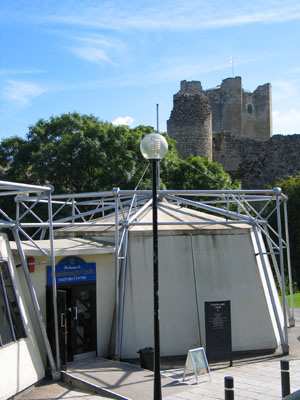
123	379
58	390
256	378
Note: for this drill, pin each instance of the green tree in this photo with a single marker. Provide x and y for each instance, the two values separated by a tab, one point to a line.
200	173
291	187
15	154
79	153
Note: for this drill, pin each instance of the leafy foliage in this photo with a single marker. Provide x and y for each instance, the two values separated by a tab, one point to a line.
200	173
291	187
79	153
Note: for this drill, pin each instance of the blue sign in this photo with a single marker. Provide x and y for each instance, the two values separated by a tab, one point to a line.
72	270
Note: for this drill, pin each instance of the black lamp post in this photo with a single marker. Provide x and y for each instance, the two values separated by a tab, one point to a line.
154	147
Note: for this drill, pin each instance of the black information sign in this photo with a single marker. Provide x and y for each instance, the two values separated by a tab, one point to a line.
218	331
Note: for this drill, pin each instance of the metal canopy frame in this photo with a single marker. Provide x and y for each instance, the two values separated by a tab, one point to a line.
236	207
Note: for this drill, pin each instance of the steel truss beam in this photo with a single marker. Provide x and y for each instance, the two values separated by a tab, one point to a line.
253	207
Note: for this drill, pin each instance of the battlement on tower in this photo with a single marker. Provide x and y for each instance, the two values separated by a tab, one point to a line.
190	87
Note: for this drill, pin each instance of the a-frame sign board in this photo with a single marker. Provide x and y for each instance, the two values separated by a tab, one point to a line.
196	362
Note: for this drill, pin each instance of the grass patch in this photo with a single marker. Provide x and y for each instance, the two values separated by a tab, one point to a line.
296	300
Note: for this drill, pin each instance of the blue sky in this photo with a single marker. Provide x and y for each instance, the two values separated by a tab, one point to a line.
118	59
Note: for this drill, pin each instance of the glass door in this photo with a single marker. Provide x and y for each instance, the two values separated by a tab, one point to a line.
76	314
84	320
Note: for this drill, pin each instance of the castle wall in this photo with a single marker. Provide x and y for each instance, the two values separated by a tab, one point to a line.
257	163
225	144
190	123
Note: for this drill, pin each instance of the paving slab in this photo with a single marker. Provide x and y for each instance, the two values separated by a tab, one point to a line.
250	381
121	378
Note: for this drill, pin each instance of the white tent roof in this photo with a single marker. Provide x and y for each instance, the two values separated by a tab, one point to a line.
65	247
170	217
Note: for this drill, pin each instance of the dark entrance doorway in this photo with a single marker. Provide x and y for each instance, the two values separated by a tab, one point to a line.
76	313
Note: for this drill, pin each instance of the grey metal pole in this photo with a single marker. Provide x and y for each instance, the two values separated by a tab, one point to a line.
285	346
157	130
53	274
263	263
157	379
292	318
117	296
278	275
122	291
54	371
157	118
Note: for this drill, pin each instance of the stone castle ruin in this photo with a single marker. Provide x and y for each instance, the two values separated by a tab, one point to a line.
234	128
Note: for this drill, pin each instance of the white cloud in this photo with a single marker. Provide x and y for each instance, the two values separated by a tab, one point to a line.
171	15
294	70
284	90
21	92
100	40
95	48
286	122
124	121
92	54
6	72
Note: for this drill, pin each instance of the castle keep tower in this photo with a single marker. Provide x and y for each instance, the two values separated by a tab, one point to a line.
244	114
190	123
234	128
226	106
257	113
198	115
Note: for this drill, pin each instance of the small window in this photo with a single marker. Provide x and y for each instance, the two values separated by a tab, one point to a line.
249	109
11	323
